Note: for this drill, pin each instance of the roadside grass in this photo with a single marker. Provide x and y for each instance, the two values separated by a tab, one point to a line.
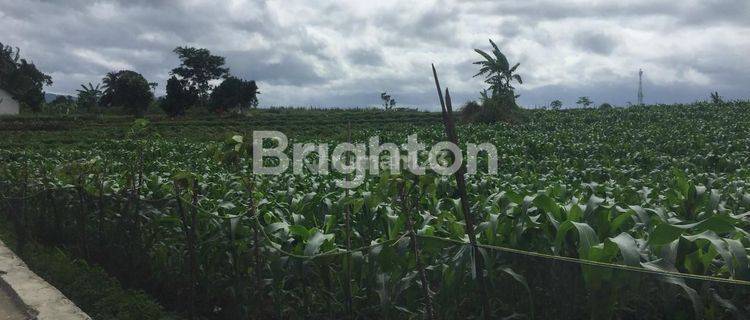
94	291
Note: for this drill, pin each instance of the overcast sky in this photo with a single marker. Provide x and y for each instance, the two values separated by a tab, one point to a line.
344	53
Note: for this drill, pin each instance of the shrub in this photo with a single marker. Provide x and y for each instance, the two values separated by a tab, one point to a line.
492	109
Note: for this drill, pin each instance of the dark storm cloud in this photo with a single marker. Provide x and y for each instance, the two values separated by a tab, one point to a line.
288	70
343	53
595	42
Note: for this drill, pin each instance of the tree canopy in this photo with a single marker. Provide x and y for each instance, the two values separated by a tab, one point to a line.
556	104
180	97
234	94
498	73
21	79
127	89
584	101
198	67
388	102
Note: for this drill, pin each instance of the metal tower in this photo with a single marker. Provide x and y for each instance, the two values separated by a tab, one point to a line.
640	87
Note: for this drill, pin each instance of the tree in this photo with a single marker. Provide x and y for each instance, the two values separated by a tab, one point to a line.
388	102
61	105
234	94
21	79
180	97
584	101
89	98
556	104
498	72
605	106
198	67
127	89
716	98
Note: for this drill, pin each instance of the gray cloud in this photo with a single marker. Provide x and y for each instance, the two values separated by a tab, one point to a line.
343	53
595	42
368	57
295	70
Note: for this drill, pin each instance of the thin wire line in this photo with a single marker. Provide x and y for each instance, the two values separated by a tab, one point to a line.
338	251
594	263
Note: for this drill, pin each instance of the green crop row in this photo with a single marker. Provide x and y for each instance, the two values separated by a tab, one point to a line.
658	188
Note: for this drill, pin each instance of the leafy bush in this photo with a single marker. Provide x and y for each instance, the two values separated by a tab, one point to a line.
21	78
492	109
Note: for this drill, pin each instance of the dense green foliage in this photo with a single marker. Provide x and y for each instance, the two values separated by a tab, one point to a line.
89	98
655	188
180	97
491	109
127	89
234	94
79	130
198	66
21	78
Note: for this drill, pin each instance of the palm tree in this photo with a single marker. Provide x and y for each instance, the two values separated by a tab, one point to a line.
108	85
89	97
109	79
90	90
497	71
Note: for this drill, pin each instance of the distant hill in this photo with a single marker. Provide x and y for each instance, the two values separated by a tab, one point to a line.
49	97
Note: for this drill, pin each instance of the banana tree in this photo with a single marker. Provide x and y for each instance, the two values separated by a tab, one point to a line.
497	71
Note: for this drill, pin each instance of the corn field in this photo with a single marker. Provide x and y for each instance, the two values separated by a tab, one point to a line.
639	213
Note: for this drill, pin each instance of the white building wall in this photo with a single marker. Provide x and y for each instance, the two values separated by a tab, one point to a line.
8	105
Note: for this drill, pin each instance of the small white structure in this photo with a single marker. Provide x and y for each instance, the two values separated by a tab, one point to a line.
8	105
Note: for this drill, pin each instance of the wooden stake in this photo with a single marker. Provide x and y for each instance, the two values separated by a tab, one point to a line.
447	111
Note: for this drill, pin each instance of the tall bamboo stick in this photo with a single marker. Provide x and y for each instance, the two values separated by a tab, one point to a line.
450	130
